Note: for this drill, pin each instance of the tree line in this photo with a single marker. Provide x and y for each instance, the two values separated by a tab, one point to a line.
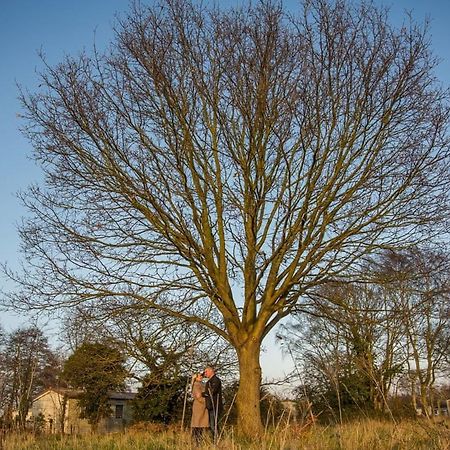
362	347
152	356
380	345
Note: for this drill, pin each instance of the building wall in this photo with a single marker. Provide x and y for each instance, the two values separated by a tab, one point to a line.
54	406
51	406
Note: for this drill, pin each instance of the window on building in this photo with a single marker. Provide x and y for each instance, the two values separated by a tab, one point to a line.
119	412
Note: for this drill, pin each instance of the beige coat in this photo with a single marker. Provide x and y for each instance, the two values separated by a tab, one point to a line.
200	417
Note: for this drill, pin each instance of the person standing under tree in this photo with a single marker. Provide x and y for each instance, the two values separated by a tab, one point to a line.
200	415
213	395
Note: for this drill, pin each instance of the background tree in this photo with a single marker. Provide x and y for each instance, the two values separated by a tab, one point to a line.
97	369
418	284
152	342
162	353
160	398
3	384
355	340
224	163
28	366
347	346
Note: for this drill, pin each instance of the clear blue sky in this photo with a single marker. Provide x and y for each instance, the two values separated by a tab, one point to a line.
60	27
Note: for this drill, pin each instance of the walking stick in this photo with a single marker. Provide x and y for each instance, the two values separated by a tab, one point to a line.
184	404
188	384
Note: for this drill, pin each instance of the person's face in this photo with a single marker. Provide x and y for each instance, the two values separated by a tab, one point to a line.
208	372
199	377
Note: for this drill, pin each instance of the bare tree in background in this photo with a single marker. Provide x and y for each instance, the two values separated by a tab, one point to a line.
349	344
27	367
361	338
228	162
418	285
154	344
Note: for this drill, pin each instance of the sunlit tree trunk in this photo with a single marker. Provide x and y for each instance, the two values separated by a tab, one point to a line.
248	395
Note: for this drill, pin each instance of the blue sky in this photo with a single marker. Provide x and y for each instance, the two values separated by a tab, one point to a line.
60	27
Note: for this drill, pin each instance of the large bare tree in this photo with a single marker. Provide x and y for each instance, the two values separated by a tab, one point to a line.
225	162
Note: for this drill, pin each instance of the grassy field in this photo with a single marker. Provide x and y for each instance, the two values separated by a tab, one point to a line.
364	435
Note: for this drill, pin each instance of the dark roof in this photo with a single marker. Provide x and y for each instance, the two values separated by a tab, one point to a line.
122	395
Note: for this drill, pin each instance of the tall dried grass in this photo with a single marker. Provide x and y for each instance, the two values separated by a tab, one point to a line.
366	434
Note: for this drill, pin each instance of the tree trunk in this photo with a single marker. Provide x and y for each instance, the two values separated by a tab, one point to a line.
425	400
414	395
248	395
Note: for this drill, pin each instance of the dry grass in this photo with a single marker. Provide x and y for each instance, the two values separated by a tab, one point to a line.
364	435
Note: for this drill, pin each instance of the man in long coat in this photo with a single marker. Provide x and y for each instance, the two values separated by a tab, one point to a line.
213	395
